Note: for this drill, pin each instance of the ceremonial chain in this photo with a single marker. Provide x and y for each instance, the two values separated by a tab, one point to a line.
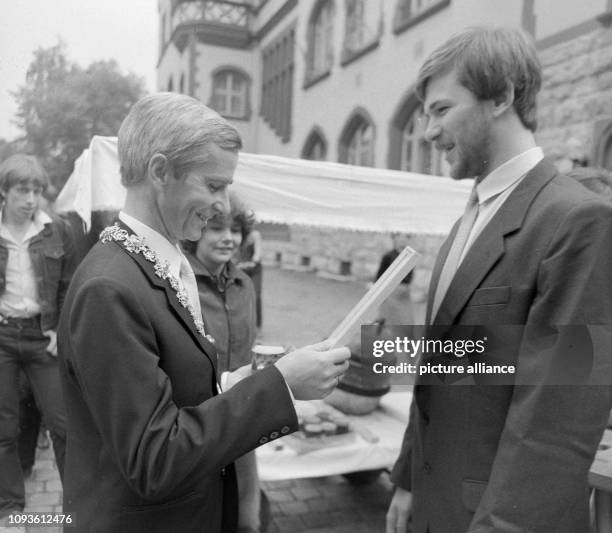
136	245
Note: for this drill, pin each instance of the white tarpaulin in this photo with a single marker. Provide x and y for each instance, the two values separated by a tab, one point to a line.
294	191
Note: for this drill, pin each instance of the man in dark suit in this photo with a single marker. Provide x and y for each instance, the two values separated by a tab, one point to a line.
533	249
153	430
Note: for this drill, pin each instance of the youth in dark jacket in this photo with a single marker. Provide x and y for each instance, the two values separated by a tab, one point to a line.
36	262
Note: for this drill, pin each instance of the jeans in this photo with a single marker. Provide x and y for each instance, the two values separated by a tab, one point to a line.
24	347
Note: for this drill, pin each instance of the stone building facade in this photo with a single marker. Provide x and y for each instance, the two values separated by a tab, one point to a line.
575	105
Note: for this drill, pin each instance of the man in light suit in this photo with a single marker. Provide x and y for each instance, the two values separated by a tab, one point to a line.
153	430
535	249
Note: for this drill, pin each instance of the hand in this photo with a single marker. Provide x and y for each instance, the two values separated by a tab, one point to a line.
399	511
52	346
312	372
237	375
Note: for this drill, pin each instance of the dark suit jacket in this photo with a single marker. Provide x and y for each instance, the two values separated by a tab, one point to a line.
150	442
515	458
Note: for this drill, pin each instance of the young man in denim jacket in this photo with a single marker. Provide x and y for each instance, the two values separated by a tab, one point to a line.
36	262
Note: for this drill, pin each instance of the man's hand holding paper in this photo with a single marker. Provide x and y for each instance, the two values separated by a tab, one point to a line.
313	371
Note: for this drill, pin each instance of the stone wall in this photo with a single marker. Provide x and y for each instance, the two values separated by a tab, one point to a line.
576	93
345	254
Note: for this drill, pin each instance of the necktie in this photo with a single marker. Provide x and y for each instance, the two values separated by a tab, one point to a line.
452	259
189	282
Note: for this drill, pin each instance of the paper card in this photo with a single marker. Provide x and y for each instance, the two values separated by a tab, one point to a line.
384	286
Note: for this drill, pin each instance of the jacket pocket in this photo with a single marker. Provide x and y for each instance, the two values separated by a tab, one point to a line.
52	257
471	493
491	296
53	252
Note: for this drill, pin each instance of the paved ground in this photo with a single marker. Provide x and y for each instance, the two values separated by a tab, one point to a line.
299	308
302	308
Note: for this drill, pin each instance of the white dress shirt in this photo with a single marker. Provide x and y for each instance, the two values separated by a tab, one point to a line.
20	297
496	187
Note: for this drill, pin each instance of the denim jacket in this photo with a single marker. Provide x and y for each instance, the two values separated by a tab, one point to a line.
53	260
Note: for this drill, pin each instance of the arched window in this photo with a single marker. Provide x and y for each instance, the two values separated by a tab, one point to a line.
355	25
230	92
408	148
315	147
357	140
419	155
320	37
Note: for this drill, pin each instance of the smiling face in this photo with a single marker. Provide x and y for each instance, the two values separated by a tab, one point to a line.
187	203
459	124
219	242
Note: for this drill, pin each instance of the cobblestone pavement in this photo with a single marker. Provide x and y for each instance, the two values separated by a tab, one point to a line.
328	505
314	505
43	492
298	308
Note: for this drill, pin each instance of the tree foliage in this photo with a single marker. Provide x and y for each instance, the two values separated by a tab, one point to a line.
62	106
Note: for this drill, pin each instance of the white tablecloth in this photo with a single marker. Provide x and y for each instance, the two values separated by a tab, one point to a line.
374	443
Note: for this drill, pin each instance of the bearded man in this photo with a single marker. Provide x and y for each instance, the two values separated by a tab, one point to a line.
532	249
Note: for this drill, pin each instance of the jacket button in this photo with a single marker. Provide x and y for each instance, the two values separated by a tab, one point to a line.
263	440
285	430
274	435
427	468
223	472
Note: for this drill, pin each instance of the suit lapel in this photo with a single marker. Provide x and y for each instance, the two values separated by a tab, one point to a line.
489	246
181	312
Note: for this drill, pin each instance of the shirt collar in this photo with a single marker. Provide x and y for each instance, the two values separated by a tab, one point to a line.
508	173
227	274
39	221
165	250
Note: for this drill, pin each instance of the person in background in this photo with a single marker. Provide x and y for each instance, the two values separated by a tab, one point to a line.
227	299
250	255
36	263
397	308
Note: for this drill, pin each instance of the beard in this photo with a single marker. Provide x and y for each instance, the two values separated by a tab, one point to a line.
473	149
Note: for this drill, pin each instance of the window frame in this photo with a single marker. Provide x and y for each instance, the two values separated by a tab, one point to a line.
404	19
320	48
231	72
354	127
314	138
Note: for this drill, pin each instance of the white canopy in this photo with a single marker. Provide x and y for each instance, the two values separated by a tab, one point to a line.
294	191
